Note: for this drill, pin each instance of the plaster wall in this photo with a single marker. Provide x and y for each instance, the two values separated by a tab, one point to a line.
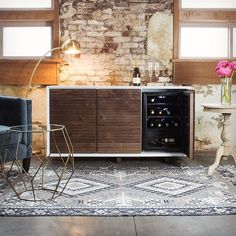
208	124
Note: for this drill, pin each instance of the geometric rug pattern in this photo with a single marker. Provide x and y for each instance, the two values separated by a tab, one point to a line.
132	190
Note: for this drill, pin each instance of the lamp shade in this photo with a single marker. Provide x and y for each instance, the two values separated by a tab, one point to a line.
70	46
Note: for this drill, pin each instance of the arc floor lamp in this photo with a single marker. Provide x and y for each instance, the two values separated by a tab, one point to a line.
70	46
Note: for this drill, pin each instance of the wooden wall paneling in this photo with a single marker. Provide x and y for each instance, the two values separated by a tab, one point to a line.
195	72
119	120
77	110
207	16
47	15
19	72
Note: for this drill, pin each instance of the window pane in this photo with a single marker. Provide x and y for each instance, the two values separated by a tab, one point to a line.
234	42
208	4
203	42
26	41
25	4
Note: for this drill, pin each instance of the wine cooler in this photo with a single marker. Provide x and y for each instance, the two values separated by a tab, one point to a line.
168	120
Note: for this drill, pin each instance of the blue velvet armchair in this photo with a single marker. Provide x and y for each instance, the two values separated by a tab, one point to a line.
15	111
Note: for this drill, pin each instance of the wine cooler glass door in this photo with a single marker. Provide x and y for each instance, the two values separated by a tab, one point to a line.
168	121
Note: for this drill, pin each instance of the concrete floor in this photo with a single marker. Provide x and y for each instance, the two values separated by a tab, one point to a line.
126	226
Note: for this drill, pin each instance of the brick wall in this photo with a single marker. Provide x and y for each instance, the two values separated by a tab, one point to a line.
113	34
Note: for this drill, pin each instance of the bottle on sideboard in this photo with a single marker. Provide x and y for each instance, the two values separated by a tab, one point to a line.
136	75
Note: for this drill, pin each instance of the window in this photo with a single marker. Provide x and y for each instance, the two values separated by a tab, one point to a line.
204	33
25	4
208	4
26	41
204	42
28	29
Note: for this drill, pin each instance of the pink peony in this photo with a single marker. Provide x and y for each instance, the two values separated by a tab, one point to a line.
224	72
225	68
233	65
223	64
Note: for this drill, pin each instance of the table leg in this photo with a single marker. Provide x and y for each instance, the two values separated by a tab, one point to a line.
225	149
234	156
219	154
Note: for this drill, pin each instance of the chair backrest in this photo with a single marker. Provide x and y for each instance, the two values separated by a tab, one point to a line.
15	111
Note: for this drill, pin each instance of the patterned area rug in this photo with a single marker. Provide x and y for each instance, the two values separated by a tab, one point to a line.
131	191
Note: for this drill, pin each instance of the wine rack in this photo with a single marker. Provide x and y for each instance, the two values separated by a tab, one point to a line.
162	120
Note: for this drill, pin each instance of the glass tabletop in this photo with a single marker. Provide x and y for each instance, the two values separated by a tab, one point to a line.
36	129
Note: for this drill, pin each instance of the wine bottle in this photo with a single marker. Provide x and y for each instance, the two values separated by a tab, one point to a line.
175	123
166	111
136	75
158	123
152	112
167	124
153	99
151	124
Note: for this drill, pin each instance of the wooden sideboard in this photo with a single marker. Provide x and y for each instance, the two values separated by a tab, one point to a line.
110	121
103	121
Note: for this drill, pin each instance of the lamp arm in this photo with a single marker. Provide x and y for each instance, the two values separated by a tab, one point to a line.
35	68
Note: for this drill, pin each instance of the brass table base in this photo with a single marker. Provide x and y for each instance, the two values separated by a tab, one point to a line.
46	181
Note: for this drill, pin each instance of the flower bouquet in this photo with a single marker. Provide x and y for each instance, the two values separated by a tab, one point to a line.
225	70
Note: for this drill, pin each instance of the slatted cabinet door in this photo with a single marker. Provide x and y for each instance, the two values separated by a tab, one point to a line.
119	120
77	110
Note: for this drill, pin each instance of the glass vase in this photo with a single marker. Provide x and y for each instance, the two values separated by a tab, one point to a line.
226	84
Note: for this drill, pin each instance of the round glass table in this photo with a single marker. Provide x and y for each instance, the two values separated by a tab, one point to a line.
47	177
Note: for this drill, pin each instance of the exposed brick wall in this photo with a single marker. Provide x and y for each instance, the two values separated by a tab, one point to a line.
112	35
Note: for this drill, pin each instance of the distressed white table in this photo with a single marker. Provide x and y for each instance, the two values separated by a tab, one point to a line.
225	149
